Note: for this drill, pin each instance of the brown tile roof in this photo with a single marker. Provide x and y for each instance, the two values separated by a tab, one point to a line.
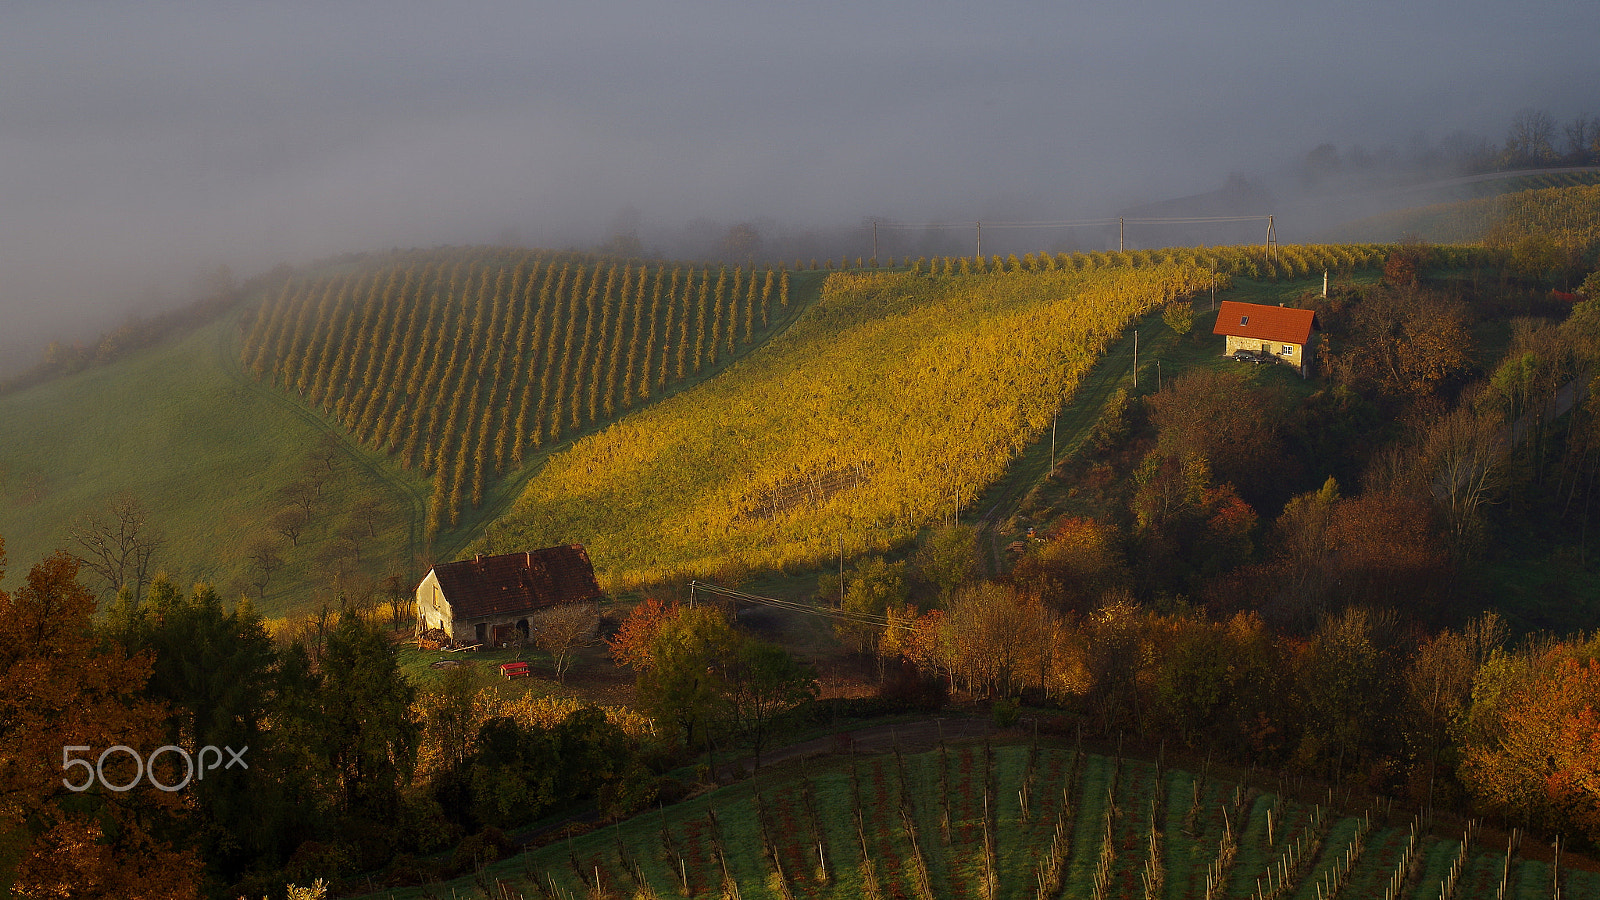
517	582
1267	323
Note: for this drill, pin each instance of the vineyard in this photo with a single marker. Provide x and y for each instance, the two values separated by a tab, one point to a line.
889	404
460	363
1569	217
1259	262
1030	822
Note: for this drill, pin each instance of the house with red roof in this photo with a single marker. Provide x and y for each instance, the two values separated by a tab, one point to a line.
1273	332
489	599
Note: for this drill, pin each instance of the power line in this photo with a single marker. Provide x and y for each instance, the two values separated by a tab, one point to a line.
805	608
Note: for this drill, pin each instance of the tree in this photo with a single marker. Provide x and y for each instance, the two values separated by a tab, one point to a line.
563	629
1401	341
370	732
304	493
949	557
631	646
874	586
119	546
1466	456
1075	565
265	559
1179	316
764	681
685	684
66	689
1530	139
214	669
291	523
1537	751
1222	416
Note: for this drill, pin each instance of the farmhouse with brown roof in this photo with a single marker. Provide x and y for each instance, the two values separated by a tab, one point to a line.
488	599
1271	332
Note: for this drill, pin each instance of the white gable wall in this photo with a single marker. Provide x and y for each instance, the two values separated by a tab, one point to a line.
433	610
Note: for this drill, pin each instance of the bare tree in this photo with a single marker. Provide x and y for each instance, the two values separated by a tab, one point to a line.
329	452
119	545
1467	453
1531	138
352	535
290	523
562	630
304	493
371	512
264	560
394	590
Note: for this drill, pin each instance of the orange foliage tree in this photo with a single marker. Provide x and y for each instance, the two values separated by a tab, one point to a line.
1538	755
631	644
64	689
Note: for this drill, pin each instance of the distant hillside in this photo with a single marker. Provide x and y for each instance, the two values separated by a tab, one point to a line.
1567	216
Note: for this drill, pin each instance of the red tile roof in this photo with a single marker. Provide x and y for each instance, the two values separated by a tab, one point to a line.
517	582
1267	323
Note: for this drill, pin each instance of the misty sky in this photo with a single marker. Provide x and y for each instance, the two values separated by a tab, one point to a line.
141	142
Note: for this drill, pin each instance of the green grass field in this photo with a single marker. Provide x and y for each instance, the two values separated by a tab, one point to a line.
177	428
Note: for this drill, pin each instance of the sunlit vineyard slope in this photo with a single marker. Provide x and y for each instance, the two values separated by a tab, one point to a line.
459	363
887	406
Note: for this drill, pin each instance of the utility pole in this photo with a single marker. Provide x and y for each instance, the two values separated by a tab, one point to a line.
841	571
874	241
980	240
1121	230
1324	284
1272	239
1136	359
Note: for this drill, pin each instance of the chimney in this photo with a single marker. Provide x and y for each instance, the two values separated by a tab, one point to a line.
528	555
479	558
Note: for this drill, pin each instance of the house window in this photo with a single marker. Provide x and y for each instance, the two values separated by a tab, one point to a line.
1244	320
1288	349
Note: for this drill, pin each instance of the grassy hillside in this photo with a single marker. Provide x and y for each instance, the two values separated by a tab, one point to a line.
889	405
967	821
201	448
1569	217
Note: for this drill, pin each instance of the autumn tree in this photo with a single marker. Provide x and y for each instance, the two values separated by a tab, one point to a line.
1438	690
631	645
1179	316
873	587
1347	684
1536	750
1077	563
1401	341
65	688
1231	422
1465	455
